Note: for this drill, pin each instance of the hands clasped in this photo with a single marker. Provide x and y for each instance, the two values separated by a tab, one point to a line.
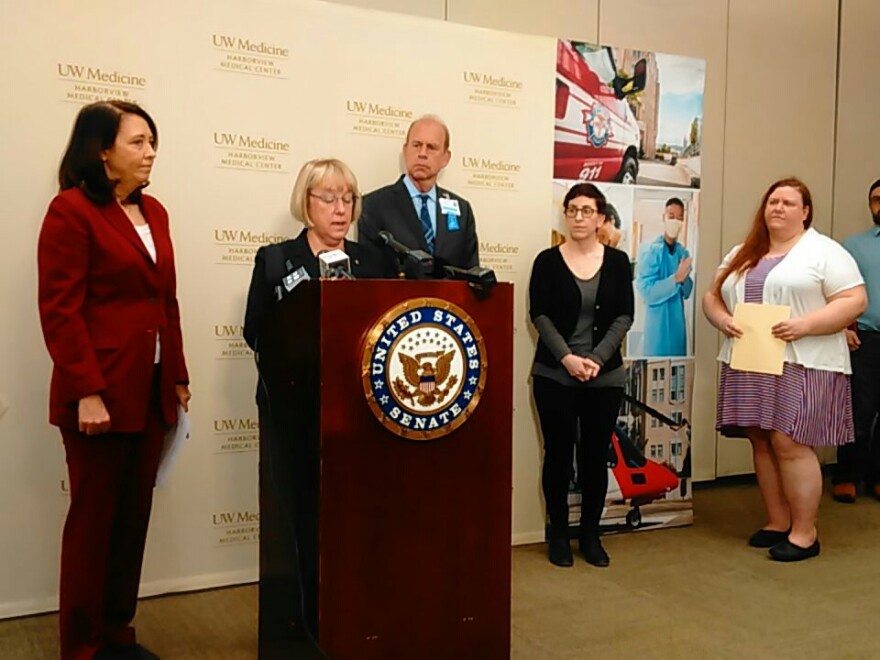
581	368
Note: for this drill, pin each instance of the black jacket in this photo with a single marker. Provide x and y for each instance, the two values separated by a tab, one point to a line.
261	295
554	293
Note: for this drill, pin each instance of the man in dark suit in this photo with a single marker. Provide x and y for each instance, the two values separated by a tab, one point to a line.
416	211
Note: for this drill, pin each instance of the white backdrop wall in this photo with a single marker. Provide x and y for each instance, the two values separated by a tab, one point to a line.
243	94
34	125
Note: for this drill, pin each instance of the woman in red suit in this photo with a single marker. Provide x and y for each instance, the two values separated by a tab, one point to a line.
108	307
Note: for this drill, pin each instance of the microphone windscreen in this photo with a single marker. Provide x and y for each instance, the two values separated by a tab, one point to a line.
331	262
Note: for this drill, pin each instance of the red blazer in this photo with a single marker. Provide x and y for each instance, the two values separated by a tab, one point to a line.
102	303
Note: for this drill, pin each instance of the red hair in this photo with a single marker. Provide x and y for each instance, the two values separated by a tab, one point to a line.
757	243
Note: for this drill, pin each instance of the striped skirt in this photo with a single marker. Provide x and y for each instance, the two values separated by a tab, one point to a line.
811	406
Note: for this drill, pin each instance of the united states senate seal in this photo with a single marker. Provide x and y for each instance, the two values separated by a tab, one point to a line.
424	368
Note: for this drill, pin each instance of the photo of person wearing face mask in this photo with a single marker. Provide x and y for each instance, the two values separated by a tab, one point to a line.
663	281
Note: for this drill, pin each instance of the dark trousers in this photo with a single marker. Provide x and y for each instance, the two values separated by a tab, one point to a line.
288	593
560	408
111	493
860	461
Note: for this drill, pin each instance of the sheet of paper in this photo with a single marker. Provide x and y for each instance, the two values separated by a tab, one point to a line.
758	350
174	440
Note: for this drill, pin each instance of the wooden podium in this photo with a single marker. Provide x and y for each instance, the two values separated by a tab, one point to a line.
374	545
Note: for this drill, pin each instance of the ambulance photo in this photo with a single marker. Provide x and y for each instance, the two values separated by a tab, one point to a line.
597	136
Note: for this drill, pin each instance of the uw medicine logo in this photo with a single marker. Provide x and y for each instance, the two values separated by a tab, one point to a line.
424	368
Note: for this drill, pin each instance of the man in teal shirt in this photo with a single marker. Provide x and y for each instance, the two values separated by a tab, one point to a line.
861	461
663	281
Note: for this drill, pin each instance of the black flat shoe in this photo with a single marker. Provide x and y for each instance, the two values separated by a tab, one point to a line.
788	551
559	552
594	553
767	538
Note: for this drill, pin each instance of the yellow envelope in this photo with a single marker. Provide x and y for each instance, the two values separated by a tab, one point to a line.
758	350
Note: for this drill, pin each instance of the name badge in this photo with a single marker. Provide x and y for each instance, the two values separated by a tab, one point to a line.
449	206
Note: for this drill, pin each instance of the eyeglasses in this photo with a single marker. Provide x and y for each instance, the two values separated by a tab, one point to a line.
331	198
586	211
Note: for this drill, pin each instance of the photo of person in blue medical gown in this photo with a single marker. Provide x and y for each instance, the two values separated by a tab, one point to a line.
663	281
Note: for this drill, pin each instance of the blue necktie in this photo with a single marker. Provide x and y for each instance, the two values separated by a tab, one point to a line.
425	218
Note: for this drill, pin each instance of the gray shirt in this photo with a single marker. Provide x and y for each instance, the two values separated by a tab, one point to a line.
581	342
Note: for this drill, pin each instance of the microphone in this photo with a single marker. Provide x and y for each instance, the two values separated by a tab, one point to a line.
334	264
290	281
481	279
423	260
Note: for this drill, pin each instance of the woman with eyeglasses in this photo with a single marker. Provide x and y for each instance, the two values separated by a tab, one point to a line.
581	302
326	200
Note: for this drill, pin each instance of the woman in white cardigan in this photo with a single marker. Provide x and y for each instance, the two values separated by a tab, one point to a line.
785	262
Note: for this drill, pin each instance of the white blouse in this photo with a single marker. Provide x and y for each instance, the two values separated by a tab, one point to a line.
147	239
816	268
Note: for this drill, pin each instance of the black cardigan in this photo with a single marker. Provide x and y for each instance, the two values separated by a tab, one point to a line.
554	293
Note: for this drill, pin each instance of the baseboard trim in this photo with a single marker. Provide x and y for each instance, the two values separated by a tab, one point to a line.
49	604
527	538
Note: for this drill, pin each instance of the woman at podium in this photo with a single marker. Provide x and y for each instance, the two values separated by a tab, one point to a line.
581	302
110	318
327	201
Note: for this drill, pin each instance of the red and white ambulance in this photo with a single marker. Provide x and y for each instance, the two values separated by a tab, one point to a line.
597	136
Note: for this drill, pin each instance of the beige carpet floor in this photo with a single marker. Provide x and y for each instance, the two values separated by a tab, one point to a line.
696	592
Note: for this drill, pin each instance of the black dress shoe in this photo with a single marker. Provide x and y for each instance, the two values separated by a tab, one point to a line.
559	552
593	552
788	551
767	538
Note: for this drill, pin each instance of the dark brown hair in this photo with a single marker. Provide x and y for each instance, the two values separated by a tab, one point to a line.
586	190
94	131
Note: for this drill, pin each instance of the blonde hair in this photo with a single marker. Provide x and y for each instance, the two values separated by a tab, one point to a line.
314	173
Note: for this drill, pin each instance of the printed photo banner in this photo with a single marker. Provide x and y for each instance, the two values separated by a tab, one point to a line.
630	121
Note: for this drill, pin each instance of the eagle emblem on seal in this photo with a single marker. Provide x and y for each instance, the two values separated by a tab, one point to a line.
425	381
423	368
